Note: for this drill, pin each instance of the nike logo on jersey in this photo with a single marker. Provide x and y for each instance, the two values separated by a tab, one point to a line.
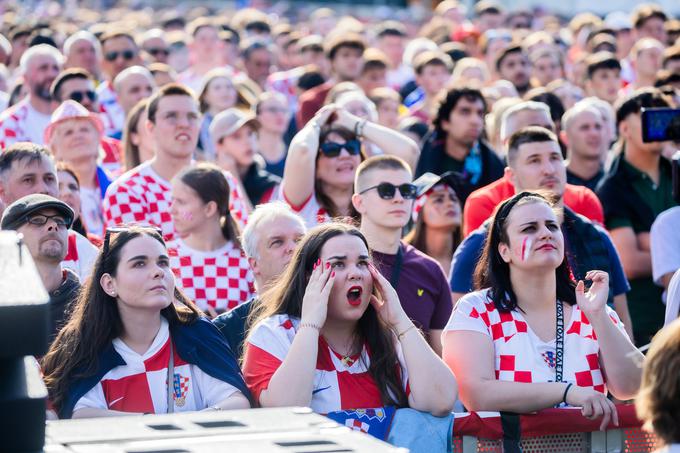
314	392
115	401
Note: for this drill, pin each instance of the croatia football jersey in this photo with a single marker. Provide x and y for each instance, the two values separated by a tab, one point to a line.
520	356
311	211
340	383
80	255
142	196
140	385
22	123
221	278
112	114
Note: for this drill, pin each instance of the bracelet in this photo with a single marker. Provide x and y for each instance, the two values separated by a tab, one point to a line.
359	128
309	324
216	408
413	326
566	390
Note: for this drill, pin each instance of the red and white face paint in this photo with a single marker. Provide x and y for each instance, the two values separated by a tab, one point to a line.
526	248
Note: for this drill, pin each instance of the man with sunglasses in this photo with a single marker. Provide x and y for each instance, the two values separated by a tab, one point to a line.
26	120
155	46
119	51
44	223
77	85
384	196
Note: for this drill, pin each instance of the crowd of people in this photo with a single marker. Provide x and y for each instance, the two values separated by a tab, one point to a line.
248	208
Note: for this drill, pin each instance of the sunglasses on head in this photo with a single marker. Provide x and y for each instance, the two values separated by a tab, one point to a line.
333	149
123	228
387	190
126	54
79	96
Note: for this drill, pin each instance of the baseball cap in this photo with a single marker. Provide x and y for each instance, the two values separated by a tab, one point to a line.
229	121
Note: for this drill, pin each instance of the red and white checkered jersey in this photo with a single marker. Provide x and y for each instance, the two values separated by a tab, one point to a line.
80	255
22	123
142	196
310	211
521	356
339	384
221	279
111	159
140	385
112	114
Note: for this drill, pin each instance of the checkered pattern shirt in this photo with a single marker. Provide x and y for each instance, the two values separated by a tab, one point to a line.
520	356
310	211
339	383
22	123
140	385
221	279
112	114
80	255
142	196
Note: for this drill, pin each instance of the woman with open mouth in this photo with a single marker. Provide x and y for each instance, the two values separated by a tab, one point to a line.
332	335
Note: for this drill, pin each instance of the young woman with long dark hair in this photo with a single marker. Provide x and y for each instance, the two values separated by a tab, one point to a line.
135	344
206	255
531	338
318	179
438	216
331	334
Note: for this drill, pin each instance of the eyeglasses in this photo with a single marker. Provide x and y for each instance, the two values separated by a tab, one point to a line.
386	190
155	51
333	149
126	54
79	96
42	219
124	228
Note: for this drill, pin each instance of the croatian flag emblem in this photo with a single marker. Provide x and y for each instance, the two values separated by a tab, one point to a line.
549	357
357	425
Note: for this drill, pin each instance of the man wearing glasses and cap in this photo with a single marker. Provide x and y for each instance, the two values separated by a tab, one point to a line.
384	195
43	221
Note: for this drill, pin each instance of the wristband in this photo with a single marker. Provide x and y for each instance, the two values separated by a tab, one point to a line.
309	324
359	128
413	326
566	390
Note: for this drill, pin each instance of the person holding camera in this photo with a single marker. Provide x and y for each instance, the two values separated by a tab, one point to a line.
635	190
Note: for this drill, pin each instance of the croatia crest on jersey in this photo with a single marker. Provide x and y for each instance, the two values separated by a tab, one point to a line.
181	389
374	421
549	357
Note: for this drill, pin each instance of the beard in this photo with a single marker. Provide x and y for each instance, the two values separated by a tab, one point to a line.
42	90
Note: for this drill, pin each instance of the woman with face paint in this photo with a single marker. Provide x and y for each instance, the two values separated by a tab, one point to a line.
531	338
206	256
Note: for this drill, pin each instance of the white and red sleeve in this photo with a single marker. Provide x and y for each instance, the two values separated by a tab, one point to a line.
123	207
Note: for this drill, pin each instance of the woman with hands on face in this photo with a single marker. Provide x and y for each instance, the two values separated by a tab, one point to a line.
531	338
318	178
331	334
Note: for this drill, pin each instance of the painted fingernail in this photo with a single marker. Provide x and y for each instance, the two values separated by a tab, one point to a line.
333	274
328	265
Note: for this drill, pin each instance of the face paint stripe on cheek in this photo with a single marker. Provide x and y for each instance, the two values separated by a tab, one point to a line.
526	248
187	215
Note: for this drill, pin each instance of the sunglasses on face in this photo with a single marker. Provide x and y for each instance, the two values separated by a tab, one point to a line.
155	51
386	190
79	96
42	219
333	149
126	54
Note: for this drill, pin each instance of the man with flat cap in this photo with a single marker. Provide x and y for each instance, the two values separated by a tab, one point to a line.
44	222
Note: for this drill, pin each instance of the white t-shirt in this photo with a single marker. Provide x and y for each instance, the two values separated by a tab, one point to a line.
91	209
140	385
673	299
22	123
665	244
520	356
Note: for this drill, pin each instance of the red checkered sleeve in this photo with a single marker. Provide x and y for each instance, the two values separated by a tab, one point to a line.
471	314
237	205
9	131
121	206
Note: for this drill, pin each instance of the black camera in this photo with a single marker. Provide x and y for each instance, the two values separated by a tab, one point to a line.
660	125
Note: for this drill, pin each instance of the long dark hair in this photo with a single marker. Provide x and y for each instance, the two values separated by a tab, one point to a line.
95	321
417	237
324	200
285	297
209	182
494	273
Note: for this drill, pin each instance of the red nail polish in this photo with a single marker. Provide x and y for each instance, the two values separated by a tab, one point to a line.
328	265
333	274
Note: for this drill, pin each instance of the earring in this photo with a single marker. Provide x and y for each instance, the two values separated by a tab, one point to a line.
113	294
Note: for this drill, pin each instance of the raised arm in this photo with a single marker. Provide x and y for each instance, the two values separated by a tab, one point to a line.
388	140
300	169
433	386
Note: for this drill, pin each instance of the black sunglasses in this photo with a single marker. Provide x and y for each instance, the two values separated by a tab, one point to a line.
158	51
79	96
333	149
386	190
124	228
126	54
